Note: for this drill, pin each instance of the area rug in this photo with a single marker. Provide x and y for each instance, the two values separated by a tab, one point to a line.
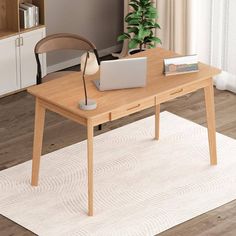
142	186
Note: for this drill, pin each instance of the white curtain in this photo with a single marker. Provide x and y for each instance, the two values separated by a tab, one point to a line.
198	27
178	25
222	46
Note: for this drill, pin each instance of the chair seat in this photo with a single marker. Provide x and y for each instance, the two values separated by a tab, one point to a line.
56	75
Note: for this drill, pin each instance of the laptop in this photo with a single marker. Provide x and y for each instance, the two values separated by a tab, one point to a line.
122	74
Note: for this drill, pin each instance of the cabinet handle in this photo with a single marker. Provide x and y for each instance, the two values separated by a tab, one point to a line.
178	91
131	108
21	41
17	42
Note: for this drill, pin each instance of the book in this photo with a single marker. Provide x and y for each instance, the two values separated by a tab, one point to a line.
36	16
35	13
30	11
23	18
181	65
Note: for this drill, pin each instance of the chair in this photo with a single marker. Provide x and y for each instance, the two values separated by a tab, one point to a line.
57	42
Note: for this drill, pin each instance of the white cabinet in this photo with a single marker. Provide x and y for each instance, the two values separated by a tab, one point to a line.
28	66
18	66
9	65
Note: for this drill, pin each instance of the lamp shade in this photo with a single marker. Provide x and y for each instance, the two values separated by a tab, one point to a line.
92	64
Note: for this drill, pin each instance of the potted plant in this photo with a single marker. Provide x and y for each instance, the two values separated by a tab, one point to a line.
141	24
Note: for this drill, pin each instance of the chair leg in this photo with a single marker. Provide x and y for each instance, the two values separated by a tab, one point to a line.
100	127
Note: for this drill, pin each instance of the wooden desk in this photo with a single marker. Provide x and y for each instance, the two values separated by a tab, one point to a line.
62	96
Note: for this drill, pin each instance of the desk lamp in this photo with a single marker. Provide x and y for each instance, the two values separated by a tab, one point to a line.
89	66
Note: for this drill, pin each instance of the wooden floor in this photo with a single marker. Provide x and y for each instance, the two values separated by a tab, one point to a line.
16	136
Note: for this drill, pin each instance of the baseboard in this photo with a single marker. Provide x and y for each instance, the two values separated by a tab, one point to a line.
76	61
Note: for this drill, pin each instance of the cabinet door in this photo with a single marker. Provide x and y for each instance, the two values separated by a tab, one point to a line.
28	63
9	65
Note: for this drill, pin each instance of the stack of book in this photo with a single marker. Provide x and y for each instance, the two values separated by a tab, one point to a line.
29	15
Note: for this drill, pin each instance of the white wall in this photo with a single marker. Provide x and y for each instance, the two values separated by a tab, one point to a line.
101	21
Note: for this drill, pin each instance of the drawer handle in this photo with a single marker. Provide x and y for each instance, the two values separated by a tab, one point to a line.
178	91
131	108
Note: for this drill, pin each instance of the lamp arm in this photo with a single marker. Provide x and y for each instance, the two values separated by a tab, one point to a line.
85	89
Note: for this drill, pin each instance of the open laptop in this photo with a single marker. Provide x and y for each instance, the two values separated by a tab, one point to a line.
123	73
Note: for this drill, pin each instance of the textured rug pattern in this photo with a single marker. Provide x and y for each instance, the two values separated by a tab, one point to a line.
142	186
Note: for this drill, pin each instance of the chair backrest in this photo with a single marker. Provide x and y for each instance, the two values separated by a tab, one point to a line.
61	41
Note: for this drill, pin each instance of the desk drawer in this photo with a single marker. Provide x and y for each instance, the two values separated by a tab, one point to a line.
172	94
132	108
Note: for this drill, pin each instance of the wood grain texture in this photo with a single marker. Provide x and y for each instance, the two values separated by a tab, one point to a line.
16	135
61	96
90	166
3	11
38	139
67	91
210	114
10	17
9	228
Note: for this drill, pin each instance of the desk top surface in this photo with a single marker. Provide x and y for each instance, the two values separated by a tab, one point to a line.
67	91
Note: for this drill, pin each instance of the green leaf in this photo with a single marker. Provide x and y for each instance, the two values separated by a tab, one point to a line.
148	23
128	15
135	2
133	44
149	40
151	12
134	22
151	15
151	24
141	22
143	33
135	6
156	25
151	9
148	4
123	37
144	2
133	30
132	16
151	46
155	39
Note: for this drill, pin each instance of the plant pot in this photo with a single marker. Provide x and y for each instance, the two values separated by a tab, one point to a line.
134	51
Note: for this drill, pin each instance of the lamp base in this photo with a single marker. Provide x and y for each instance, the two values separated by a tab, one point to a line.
92	105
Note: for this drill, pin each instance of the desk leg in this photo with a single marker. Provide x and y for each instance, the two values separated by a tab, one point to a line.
38	139
90	167
157	121
210	113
